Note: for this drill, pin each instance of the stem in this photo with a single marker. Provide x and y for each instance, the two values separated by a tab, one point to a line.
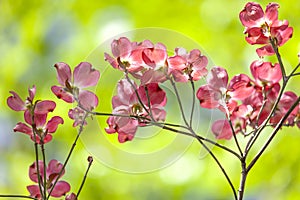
243	179
221	167
16	196
193	101
274	132
90	160
69	155
275	48
44	172
179	102
34	130
234	136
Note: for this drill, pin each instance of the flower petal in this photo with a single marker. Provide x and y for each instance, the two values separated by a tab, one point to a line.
60	189
221	129
23	128
85	75
53	124
88	100
33	175
15	102
34	191
63	73
43	107
251	15
208	97
62	94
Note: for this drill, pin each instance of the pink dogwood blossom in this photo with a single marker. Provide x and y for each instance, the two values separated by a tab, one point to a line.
217	93
40	107
265	73
42	131
52	172
185	66
127	103
261	27
72	85
145	61
35	115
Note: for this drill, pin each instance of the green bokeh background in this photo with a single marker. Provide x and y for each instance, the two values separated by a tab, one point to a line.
36	34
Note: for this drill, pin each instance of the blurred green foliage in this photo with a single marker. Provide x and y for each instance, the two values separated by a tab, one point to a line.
36	34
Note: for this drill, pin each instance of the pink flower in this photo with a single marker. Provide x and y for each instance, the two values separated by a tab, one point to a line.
40	110
126	107
52	172
265	73
240	117
40	107
145	61
77	114
43	129
219	94
70	88
185	66
262	26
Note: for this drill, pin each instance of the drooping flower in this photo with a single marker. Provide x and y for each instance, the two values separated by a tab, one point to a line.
42	131
72	85
131	111
261	27
52	172
185	66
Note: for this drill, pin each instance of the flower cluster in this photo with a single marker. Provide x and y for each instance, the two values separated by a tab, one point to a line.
35	115
52	173
71	88
246	101
262	27
150	62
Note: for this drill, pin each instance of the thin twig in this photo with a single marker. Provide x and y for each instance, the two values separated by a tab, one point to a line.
69	154
16	196
90	160
193	101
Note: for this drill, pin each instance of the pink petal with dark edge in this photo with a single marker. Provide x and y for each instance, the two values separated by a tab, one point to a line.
63	73
15	102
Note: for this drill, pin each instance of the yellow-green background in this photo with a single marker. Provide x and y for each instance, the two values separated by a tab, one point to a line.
36	34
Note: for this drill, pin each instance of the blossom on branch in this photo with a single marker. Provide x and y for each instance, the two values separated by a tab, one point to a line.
261	27
72	85
186	66
35	116
131	111
52	172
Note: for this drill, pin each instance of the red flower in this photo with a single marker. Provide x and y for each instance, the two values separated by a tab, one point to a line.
52	172
262	26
